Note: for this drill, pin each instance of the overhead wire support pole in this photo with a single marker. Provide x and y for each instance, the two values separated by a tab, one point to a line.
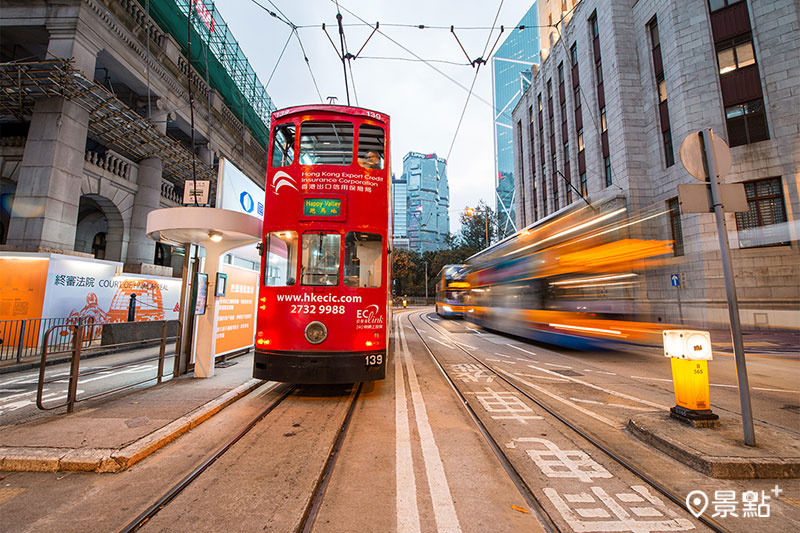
573	188
343	56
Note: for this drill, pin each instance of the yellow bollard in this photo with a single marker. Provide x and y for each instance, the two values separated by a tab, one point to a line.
689	352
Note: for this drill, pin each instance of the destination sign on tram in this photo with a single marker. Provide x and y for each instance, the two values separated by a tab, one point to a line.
322	207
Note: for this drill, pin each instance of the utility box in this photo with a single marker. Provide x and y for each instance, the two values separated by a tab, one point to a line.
689	352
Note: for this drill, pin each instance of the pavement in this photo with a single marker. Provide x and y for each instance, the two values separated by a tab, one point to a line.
115	434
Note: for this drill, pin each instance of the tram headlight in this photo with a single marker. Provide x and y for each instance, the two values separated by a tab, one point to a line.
316	332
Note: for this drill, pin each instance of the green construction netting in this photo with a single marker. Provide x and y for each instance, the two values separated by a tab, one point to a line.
214	46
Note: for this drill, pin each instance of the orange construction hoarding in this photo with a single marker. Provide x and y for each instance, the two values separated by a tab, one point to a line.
22	285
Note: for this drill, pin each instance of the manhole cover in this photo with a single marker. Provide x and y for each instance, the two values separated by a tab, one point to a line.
567	372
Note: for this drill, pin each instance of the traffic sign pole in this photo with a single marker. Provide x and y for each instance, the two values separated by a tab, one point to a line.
730	289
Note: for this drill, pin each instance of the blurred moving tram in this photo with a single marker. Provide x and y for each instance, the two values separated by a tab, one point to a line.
575	279
451	291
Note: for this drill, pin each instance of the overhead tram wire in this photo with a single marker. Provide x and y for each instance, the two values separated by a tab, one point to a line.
293	27
377	29
479	62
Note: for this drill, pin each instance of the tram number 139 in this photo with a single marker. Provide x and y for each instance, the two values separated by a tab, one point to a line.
374	359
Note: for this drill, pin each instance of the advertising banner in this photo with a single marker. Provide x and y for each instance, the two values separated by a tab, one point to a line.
236	310
237	192
82	288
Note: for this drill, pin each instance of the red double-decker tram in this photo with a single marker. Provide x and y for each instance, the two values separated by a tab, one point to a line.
323	309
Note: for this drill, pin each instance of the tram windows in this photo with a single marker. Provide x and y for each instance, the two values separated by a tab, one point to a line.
326	143
320	259
362	256
370	146
281	263
283	145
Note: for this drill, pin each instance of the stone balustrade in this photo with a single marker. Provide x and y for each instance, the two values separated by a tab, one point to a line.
138	14
168	192
112	163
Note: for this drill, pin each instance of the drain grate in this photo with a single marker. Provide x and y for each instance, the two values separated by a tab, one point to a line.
567	372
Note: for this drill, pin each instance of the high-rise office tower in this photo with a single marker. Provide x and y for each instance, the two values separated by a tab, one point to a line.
428	218
511	75
400	211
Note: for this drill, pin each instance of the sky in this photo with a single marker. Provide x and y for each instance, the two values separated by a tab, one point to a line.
424	106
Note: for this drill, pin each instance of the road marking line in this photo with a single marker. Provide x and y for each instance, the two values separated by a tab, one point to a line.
462	344
443	508
722	385
558	366
608	391
442	343
500	361
562	380
594	402
564	401
520	349
405	483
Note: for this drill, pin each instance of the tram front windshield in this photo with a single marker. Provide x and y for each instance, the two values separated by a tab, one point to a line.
320	259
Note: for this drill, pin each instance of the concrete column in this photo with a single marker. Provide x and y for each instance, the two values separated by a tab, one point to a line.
45	210
141	249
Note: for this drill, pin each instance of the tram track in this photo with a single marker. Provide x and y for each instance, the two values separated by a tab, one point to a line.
305	520
525	489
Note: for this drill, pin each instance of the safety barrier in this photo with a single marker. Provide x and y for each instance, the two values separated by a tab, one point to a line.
77	335
20	339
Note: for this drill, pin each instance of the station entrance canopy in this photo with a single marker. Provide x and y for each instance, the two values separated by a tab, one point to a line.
111	122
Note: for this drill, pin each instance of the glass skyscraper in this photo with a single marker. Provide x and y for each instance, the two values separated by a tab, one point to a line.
400	211
428	216
511	75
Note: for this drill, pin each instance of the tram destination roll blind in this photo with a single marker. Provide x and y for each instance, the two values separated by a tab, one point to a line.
322	207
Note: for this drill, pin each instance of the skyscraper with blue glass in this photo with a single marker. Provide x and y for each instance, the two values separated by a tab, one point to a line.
428	204
511	75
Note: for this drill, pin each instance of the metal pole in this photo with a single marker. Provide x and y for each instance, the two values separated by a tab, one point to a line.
191	97
21	342
486	225
74	370
426	282
730	289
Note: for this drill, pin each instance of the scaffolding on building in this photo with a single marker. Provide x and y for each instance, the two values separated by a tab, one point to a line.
225	67
111	122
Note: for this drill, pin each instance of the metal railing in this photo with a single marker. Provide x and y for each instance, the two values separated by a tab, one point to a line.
78	335
20	339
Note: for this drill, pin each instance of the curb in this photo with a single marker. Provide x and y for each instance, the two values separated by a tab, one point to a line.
32	459
719	467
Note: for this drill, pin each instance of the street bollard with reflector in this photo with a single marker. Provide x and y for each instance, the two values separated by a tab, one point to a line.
689	352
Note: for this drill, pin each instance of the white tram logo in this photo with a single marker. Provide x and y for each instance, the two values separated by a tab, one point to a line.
369	318
280	179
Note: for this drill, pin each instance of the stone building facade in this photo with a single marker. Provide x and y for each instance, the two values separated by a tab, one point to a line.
622	85
73	184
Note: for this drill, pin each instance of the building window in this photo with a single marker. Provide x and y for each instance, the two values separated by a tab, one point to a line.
675	226
539	99
577	95
747	123
584	185
566	153
573	55
593	25
731	56
603	124
580	140
607	165
669	153
599	71
719	4
764	224
662	91
561	73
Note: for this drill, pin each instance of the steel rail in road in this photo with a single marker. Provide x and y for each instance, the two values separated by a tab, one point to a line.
179	487
314	504
524	489
713	525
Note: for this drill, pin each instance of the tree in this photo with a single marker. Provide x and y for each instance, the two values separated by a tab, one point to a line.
406	273
478	227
